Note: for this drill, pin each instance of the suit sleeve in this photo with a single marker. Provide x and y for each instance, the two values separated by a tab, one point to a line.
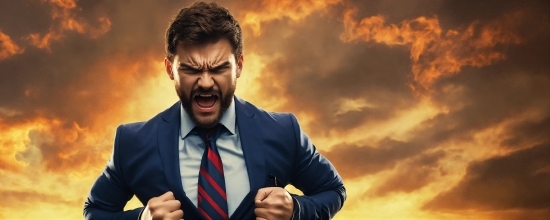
316	177
109	194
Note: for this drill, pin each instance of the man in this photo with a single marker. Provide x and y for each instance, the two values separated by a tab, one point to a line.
213	155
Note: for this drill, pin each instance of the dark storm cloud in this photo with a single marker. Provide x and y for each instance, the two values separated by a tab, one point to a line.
63	150
519	180
20	18
354	160
525	132
518	86
318	71
476	111
489	99
412	175
458	12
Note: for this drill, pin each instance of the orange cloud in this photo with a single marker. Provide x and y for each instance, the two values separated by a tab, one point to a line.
14	141
277	9
8	48
78	135
12	198
435	52
64	14
68	4
50	143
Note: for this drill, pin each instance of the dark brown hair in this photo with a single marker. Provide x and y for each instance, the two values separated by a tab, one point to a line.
203	23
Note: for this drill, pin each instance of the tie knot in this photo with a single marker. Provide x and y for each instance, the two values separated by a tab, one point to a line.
209	134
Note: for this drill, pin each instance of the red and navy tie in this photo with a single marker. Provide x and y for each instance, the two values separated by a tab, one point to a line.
212	200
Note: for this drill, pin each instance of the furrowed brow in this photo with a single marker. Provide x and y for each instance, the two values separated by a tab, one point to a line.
186	66
221	66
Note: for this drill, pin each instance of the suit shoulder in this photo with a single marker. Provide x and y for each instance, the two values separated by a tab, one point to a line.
145	128
133	126
139	125
169	113
282	118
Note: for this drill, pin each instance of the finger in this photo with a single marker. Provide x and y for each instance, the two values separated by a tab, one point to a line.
263	193
260	213
163	209
172	205
178	214
167	196
261	204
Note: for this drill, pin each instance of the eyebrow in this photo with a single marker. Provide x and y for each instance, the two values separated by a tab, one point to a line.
186	66
220	66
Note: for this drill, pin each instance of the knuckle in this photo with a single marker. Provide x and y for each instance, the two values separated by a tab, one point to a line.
157	215
156	205
152	201
170	195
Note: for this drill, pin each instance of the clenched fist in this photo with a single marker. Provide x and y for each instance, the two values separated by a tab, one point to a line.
164	207
273	203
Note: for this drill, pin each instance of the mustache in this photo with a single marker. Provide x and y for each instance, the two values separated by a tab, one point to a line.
200	91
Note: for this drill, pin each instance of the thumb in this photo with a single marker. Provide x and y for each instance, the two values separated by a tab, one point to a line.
263	193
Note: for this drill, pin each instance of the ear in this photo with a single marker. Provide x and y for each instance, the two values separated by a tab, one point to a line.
168	67
240	61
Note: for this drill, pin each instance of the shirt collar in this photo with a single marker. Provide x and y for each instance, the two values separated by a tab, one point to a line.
227	120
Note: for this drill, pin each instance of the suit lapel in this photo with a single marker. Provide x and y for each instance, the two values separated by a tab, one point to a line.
168	134
251	142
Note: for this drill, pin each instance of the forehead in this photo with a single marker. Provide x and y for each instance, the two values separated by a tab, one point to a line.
218	51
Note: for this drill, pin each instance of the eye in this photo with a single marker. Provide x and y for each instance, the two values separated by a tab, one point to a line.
188	70
216	70
219	69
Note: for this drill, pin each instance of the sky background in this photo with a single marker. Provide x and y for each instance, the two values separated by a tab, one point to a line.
429	109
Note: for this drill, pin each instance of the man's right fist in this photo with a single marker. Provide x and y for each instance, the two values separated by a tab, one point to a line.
163	207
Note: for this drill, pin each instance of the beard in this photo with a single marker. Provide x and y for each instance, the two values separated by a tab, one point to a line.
225	102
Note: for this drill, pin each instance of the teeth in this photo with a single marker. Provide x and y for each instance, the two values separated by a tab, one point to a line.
205	96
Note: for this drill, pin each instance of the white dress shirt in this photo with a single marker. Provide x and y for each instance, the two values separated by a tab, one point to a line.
191	148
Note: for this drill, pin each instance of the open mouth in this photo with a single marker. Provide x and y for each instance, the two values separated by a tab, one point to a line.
206	100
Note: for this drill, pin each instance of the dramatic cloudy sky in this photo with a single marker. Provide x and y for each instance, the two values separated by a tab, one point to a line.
429	109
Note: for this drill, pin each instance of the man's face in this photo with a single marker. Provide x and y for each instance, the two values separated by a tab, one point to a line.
205	77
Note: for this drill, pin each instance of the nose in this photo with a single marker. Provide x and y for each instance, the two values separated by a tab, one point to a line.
206	81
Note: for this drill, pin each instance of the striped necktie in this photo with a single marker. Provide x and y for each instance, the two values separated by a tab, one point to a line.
212	200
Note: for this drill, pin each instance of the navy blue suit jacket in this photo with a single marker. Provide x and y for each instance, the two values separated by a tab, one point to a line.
145	163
